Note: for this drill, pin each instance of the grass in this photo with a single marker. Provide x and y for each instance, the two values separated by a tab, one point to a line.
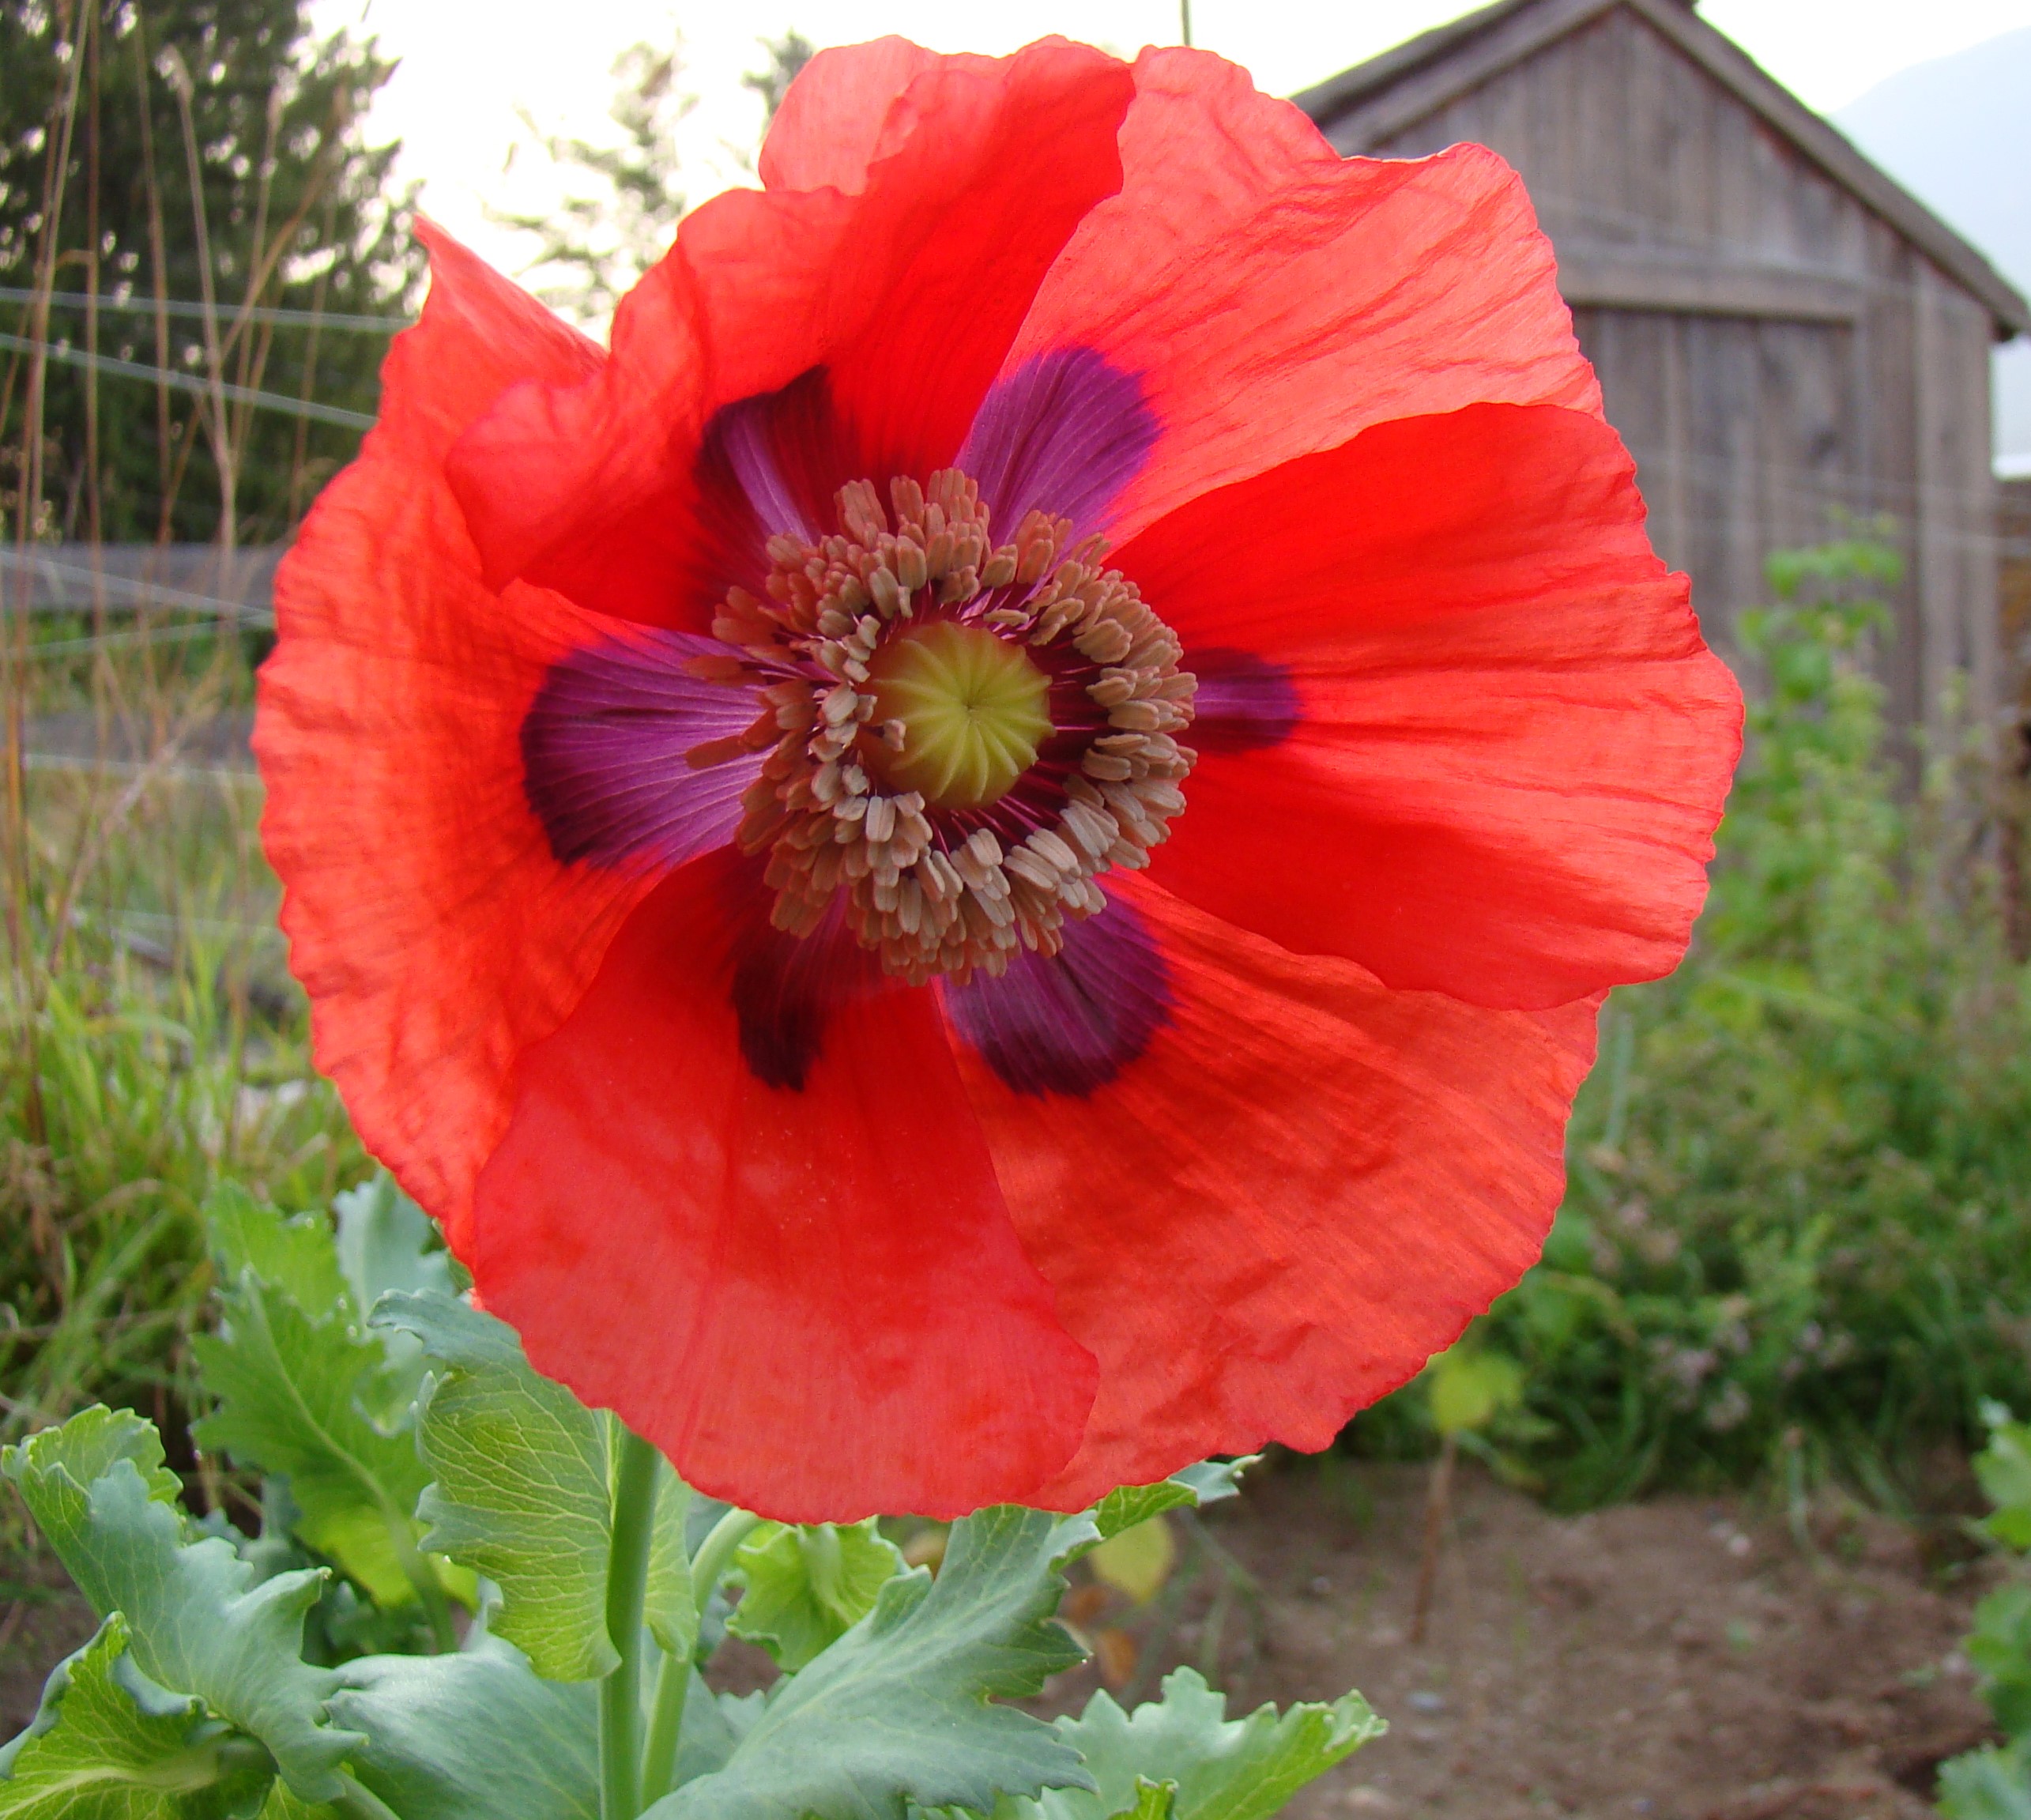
156	1045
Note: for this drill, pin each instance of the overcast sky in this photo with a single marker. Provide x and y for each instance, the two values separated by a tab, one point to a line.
468	66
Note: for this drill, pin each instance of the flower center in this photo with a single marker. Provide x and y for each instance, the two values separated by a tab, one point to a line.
962	736
972	708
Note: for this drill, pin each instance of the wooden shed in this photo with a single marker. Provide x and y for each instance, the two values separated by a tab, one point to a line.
1780	328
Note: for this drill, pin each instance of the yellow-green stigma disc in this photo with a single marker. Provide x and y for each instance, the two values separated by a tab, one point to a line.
972	710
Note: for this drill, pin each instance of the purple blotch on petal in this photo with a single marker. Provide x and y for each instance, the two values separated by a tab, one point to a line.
785	988
1244	702
604	749
1063	434
744	436
1070	1023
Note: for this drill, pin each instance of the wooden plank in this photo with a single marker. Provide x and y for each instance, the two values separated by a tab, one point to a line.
1954	540
1357	117
1621	281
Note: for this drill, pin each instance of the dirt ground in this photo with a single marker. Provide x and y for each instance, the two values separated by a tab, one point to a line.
1682	1658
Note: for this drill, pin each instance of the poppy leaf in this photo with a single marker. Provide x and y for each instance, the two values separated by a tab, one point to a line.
899	1710
299	1391
385	1241
807	1586
201	1621
1990	1784
87	1445
107	1744
295	1256
1218	1769
522	1493
1207	1482
474	1735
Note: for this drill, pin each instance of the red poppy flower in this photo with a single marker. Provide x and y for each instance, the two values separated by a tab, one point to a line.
979	862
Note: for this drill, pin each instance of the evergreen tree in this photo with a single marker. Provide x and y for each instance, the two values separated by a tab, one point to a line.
107	108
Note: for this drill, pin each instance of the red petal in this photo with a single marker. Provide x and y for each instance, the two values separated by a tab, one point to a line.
826	132
1307	1185
426	918
908	292
479	336
1514	746
1278	300
811	1301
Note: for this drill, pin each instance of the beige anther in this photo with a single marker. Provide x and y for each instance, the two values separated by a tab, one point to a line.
808	652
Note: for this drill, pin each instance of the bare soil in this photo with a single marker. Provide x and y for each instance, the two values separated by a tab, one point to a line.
1683	1659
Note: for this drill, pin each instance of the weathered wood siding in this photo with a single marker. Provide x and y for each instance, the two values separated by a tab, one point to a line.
1770	348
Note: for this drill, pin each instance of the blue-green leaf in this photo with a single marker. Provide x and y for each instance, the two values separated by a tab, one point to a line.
899	1710
522	1493
386	1244
107	1744
807	1586
1987	1785
472	1736
87	1445
202	1622
1220	1768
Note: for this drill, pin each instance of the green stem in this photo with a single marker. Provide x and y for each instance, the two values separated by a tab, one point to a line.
716	1551
666	1724
626	1583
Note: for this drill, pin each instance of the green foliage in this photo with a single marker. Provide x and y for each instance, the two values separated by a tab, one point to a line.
294	211
805	1587
201	1622
1214	1768
2004	1469
899	1709
154	1046
1996	1784
2000	1648
1797	1232
472	1736
1471	1386
1987	1785
107	1744
196	1695
306	1392
523	1493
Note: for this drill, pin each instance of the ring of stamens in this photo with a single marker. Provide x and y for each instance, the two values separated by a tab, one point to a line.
941	889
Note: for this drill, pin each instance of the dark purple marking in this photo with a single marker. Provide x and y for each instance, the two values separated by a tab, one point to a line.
1243	702
1063	433
1071	1024
766	464
604	746
785	988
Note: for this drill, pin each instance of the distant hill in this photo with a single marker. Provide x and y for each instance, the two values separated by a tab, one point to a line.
1957	133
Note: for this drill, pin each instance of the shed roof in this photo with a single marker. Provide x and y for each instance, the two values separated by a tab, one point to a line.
1402	86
